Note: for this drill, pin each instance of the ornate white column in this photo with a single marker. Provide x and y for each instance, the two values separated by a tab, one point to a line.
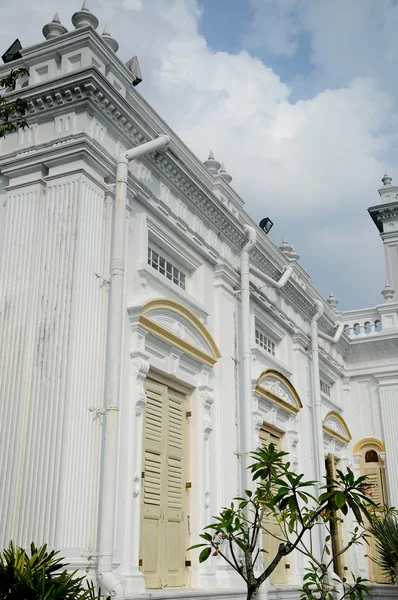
388	393
203	475
131	447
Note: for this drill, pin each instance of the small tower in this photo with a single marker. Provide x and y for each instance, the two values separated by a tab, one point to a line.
385	217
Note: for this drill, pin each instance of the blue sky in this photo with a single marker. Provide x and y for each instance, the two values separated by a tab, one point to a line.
224	24
298	99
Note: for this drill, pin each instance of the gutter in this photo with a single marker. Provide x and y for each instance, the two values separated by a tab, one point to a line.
246	404
116	311
316	387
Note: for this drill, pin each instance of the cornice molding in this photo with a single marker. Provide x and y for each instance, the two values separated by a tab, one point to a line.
383	212
89	90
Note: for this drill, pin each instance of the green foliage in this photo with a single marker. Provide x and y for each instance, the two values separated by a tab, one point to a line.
40	575
12	111
319	585
288	499
385	530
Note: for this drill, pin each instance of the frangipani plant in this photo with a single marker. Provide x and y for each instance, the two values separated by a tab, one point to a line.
283	495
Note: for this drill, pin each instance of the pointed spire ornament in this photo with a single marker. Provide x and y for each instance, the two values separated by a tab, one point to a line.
386	180
285	247
84	18
54	29
109	40
332	301
293	255
224	175
212	164
388	293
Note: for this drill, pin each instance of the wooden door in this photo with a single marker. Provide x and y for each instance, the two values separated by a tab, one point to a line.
375	473
270	543
162	544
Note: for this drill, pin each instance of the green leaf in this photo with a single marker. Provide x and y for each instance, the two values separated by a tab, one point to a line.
339	499
204	555
196	546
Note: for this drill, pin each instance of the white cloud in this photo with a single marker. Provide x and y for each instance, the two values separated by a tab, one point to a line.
133	5
304	163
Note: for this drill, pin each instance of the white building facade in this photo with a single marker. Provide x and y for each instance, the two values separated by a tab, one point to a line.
152	335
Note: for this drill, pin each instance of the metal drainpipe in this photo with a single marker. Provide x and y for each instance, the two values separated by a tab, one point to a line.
116	313
317	392
246	400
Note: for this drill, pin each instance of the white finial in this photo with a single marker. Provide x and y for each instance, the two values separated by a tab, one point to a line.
212	164
285	246
224	175
332	301
54	29
288	250
388	293
109	40
386	179
84	18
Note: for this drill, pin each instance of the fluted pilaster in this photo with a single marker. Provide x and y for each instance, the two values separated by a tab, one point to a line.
389	411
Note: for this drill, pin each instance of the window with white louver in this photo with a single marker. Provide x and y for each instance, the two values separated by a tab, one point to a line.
270	524
373	468
162	548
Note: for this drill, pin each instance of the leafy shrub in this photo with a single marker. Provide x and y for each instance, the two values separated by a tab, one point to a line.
40	575
385	531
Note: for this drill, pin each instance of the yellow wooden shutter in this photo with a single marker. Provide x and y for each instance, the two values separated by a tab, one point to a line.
151	512
374	475
174	509
336	531
162	545
270	543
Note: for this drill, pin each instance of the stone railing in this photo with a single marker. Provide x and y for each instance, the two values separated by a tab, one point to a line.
369	321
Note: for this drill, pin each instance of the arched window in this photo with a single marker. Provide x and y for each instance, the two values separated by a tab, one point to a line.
372	465
371	456
368	327
357	328
378	326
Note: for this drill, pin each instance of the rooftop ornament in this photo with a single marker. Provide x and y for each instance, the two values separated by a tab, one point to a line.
288	250
388	293
84	18
109	40
224	175
332	301
386	180
54	29
212	164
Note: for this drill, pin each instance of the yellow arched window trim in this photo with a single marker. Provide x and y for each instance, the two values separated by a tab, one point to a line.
266	393
369	441
344	438
166	334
